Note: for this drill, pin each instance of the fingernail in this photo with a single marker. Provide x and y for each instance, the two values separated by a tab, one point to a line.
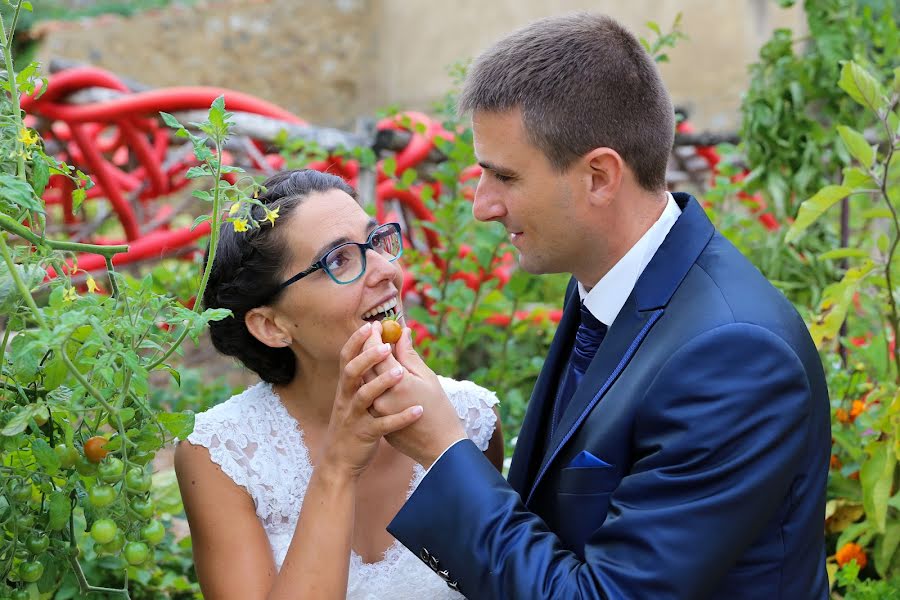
385	348
366	327
397	371
417	410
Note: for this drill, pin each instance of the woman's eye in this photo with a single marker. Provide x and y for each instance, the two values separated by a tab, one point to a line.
336	260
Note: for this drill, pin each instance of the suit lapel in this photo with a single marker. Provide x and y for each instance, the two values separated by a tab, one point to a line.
653	290
532	435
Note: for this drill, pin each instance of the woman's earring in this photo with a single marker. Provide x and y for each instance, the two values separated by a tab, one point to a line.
286	341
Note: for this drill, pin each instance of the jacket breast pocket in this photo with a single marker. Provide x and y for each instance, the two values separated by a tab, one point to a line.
588	480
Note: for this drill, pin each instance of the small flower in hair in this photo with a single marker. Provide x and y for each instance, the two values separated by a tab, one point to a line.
271	215
234	209
240	225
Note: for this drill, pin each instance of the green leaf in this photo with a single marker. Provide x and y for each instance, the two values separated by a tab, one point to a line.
27	6
813	208
197	172
839	253
876	477
40	175
861	86
19	422
878	212
857	145
170	120
178	425
389	166
60	507
856	178
78	196
19	194
836	300
200	219
45	456
408	177
886	547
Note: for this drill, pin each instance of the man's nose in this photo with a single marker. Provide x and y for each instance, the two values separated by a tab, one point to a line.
488	203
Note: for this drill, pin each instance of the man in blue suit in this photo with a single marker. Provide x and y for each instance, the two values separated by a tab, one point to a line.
677	441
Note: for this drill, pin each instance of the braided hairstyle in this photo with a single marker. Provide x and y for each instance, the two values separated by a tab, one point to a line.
248	270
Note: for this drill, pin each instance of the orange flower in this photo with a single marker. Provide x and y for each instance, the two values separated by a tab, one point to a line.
842	416
858	407
850	552
835	462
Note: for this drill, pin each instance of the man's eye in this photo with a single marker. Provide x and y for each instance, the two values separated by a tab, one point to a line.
502	178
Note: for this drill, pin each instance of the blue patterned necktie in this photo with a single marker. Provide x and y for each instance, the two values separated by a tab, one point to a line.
587	339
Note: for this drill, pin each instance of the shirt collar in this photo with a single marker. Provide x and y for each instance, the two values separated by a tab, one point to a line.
607	298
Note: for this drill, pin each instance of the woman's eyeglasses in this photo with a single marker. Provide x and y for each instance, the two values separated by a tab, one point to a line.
346	262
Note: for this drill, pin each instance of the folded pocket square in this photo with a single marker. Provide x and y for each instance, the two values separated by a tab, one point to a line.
587	460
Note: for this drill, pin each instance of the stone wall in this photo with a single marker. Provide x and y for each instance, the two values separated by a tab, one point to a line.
332	60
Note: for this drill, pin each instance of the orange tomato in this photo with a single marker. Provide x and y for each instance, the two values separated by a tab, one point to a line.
93	449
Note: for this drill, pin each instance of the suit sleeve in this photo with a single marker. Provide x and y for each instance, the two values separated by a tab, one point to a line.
719	437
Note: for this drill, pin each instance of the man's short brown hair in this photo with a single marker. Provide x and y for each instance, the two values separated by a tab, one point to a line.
582	81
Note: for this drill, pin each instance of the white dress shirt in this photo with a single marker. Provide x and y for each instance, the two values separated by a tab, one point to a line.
606	299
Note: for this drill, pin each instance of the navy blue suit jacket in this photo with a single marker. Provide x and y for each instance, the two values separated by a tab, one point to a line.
690	463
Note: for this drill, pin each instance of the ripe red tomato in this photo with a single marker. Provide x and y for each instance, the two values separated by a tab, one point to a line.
93	449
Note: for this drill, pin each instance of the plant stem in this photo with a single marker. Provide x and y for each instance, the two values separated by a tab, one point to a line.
87	587
213	242
84	382
24	291
13	227
894	316
6	42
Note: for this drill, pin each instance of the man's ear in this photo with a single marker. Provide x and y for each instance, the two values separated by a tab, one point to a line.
261	323
604	170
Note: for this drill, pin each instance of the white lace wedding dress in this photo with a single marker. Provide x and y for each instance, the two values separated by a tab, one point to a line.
260	447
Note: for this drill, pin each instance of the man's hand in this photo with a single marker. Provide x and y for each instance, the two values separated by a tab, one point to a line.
439	426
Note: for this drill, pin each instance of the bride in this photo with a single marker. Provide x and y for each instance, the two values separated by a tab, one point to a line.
288	486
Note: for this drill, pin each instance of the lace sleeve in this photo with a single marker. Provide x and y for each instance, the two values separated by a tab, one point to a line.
474	405
219	431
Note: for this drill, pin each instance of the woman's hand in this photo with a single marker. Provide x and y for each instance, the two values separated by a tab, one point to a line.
353	433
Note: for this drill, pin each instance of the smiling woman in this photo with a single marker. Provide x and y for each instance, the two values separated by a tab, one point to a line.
296	467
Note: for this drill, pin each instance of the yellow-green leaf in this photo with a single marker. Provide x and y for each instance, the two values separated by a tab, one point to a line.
836	299
839	253
876	477
857	145
861	86
813	208
885	548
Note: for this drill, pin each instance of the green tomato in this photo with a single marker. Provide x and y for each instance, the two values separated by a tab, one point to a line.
104	531
67	455
24	521
85	467
153	532
142	507
102	495
37	543
110	469
113	547
21	492
136	553
137	481
31	571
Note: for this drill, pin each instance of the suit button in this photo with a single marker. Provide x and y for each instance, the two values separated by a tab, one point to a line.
445	575
434	563
424	555
453	585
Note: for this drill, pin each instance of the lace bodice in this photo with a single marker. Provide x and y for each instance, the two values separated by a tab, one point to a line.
260	446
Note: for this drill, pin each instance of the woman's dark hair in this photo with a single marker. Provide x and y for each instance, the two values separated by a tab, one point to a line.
248	270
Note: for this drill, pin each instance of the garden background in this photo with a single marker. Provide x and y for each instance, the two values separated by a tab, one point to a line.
98	375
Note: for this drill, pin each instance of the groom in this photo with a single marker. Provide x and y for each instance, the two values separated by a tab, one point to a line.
677	441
